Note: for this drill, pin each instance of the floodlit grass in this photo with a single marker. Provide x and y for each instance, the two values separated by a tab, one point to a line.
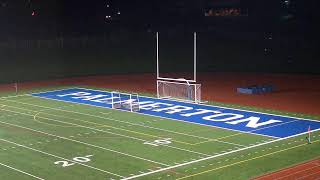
48	139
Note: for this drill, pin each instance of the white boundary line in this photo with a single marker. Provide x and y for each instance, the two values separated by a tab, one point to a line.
160	116
30	94
211	157
183	102
225	142
6	97
130	137
244	132
73	140
96	130
52	155
210	106
160	129
15	169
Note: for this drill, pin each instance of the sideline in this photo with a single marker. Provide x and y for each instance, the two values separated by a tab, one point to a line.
240	162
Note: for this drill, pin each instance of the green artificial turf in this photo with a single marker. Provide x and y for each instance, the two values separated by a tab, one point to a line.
49	139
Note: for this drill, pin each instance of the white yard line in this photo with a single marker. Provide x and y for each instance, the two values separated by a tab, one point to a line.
165	130
52	155
23	172
7	97
213	106
244	132
91	145
91	115
112	119
130	137
211	157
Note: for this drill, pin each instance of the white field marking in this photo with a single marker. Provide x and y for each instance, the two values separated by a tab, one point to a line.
130	137
108	113
134	123
280	124
164	118
215	156
223	107
92	145
15	169
7	97
59	157
212	106
117	120
194	152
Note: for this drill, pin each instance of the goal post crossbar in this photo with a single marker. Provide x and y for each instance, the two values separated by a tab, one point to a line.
176	79
179	90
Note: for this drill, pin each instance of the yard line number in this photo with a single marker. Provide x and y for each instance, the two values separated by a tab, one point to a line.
159	142
83	159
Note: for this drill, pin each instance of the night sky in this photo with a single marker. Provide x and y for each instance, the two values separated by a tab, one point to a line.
70	15
271	34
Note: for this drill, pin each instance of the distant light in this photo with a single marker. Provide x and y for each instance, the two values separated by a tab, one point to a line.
33	13
118	13
108	5
287	2
108	17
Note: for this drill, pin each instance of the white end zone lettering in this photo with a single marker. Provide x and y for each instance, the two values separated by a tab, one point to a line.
230	116
173	109
199	111
153	105
88	98
253	122
75	94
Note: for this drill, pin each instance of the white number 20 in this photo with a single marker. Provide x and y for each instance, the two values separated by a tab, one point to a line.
77	159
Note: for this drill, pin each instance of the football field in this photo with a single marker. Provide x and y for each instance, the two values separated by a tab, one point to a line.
73	133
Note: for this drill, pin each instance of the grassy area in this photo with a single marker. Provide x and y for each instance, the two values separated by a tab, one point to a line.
56	140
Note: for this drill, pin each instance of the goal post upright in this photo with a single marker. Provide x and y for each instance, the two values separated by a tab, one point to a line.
179	88
194	80
195	56
157	55
157	51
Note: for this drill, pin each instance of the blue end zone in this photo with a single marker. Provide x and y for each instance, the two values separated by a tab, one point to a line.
233	119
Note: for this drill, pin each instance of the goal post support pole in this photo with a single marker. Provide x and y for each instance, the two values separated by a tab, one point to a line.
157	47
195	56
16	87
